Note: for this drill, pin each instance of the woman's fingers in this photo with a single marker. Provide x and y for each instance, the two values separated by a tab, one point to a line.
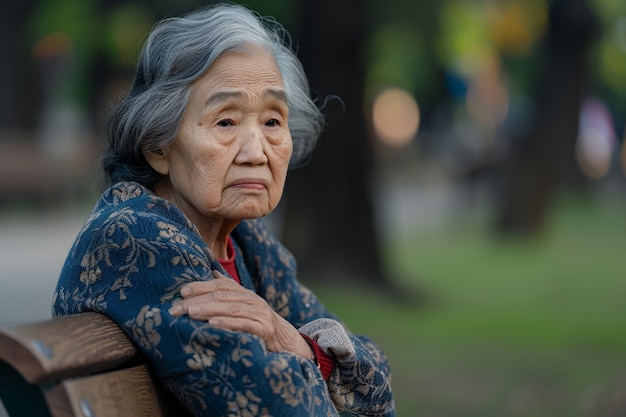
227	305
221	283
221	296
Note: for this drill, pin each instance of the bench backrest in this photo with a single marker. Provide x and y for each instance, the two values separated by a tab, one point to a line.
79	365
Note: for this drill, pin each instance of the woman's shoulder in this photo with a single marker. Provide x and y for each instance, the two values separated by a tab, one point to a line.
133	210
126	198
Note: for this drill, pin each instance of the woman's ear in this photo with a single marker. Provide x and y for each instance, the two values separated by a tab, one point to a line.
159	160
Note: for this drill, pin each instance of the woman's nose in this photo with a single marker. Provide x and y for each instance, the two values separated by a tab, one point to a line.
252	146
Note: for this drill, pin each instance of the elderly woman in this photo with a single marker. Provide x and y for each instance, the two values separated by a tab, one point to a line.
174	250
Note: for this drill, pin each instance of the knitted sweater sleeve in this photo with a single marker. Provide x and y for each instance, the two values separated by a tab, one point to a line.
130	266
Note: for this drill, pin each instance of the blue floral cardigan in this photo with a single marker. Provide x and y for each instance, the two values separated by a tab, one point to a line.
129	261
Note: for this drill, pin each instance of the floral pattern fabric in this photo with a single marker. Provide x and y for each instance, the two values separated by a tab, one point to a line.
129	262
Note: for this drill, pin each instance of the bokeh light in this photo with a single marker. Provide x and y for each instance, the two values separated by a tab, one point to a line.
515	25
593	152
396	117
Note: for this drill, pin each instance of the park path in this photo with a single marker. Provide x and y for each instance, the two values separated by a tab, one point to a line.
32	249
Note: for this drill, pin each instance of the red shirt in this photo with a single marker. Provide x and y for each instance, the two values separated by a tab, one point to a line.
229	264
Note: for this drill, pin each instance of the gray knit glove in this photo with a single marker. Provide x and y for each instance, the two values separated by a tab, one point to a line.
332	338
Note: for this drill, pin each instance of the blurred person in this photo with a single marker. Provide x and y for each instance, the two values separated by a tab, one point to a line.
175	251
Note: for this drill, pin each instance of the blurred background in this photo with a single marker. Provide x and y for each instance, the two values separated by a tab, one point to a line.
465	206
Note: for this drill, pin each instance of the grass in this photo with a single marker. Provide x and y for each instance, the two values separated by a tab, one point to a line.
514	327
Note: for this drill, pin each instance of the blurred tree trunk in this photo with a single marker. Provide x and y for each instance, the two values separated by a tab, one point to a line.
329	223
19	79
540	161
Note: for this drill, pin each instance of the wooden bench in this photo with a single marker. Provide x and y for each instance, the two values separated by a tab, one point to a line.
80	365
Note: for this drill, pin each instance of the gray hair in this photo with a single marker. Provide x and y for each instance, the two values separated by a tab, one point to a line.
178	51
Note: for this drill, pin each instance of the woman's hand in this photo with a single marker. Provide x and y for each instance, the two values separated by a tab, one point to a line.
228	305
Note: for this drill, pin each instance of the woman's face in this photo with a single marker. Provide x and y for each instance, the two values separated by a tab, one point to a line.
230	157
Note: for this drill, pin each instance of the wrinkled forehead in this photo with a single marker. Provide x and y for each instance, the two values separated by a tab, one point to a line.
238	74
256	64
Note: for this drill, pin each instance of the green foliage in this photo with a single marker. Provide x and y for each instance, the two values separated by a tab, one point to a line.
77	22
397	57
77	18
463	41
126	28
608	58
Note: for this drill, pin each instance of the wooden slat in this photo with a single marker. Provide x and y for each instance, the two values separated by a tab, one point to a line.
128	392
65	347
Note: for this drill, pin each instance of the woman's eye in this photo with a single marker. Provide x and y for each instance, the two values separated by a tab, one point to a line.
225	123
272	123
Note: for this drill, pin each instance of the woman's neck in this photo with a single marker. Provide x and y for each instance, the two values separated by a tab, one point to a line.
213	230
